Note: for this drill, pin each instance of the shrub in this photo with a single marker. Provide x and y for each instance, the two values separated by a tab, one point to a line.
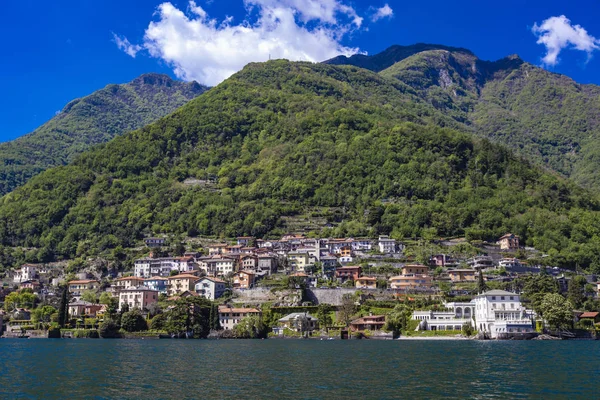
133	321
54	332
158	322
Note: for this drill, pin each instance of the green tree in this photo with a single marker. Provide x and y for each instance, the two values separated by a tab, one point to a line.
397	320
133	321
250	327
108	329
158	323
43	314
90	296
557	311
575	292
324	314
347	309
535	287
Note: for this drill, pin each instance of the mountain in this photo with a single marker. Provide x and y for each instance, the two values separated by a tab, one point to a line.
282	140
542	115
90	120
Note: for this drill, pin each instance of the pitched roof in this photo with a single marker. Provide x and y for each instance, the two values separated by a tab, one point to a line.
183	276
210	278
82	281
367	278
589	314
127	278
237	310
296	315
498	293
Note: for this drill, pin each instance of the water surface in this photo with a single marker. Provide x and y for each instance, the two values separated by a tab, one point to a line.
296	369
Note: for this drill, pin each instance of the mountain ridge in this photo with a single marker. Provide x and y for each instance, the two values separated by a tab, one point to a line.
90	120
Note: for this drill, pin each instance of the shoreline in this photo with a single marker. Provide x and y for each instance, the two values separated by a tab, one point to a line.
433	338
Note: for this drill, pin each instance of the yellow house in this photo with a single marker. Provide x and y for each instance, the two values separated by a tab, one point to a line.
462	275
128	282
409	281
366	282
79	286
299	261
181	283
415	269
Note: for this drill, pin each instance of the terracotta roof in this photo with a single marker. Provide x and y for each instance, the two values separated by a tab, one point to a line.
157	278
183	276
589	314
367	278
210	278
368	320
127	278
299	274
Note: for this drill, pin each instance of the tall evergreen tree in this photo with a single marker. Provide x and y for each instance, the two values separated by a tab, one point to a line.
63	309
481	285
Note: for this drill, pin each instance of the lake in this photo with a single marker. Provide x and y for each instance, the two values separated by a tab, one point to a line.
297	369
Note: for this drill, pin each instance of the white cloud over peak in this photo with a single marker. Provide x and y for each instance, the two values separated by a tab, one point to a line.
382	12
128	48
557	33
207	50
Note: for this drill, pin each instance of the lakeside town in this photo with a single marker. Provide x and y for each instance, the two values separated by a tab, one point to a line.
301	286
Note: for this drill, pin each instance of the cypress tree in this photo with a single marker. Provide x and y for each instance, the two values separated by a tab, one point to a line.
481	285
63	309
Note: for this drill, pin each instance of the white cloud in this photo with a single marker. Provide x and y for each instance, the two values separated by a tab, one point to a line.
557	33
383	12
204	49
123	44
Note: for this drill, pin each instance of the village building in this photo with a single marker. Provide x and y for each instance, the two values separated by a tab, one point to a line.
244	279
27	272
249	262
82	308
462	275
413	276
480	262
245	241
369	322
33	285
141	297
509	263
343	274
127	282
210	288
362	244
442	260
387	245
216	249
299	261
79	286
229	317
180	283
267	263
155	242
158	283
509	242
366	282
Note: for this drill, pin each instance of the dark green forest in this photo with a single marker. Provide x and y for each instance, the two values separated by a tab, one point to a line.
91	120
280	137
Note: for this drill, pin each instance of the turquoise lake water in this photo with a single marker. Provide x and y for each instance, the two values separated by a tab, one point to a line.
296	369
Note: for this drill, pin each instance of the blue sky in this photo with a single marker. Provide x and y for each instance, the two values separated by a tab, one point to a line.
60	50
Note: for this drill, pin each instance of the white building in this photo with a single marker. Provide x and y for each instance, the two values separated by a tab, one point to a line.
362	244
25	273
147	267
452	319
509	263
499	312
210	288
386	245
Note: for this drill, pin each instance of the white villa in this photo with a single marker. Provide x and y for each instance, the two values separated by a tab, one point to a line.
455	316
500	312
210	288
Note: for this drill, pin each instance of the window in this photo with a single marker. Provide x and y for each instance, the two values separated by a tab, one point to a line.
512	297
502	298
493	297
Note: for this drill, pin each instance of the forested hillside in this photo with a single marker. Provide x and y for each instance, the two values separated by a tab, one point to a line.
93	119
546	117
279	137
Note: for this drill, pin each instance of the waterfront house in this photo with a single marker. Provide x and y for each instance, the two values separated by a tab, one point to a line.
82	308
452	318
509	242
366	282
180	283
229	316
462	275
500	313
351	272
244	280
593	316
369	322
210	288
141	297
300	322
